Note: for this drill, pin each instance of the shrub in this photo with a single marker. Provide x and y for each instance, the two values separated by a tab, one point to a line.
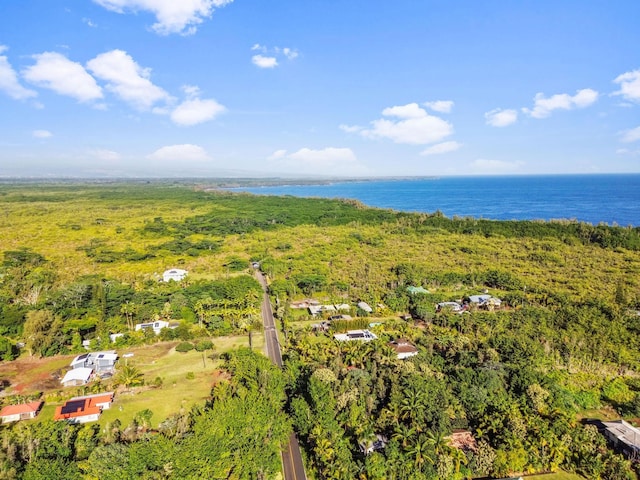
203	345
184	347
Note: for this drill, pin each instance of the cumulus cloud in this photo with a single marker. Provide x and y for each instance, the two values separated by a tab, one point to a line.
482	165
126	79
65	77
173	16
264	62
195	110
501	118
440	148
442	106
185	152
351	128
277	155
629	85
268	57
9	83
42	134
629	136
409	124
543	107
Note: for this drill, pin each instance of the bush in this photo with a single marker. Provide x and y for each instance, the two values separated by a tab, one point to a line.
184	347
203	345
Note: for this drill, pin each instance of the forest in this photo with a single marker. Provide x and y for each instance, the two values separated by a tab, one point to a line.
524	382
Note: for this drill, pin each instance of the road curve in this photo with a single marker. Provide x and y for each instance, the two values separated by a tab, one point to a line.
292	465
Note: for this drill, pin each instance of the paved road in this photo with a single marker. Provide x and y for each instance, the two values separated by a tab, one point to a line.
291	457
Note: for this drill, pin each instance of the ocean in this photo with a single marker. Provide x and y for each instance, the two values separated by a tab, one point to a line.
613	199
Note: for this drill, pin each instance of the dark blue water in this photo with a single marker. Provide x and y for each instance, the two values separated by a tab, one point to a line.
611	199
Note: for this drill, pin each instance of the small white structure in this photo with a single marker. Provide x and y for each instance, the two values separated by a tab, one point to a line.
175	274
365	306
362	335
451	306
76	377
343	306
156	326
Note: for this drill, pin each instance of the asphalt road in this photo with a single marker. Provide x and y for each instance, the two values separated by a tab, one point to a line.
291	458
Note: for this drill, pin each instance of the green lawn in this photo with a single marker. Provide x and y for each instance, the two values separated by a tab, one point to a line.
187	379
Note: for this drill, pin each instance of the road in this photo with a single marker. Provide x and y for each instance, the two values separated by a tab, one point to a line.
291	458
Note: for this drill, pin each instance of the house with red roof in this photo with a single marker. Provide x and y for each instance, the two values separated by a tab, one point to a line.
84	409
24	411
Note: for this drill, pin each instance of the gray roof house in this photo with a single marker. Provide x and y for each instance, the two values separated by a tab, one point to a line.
96	361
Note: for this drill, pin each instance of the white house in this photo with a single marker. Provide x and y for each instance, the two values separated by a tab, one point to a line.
84	409
623	436
98	361
156	326
362	335
175	274
25	411
76	377
403	348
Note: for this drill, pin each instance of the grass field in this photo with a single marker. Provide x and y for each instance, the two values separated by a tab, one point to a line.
187	378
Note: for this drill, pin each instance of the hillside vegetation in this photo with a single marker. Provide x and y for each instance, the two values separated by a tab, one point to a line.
80	262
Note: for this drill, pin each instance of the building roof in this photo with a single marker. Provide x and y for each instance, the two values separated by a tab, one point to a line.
624	432
82	374
413	290
365	306
364	335
10	410
82	406
403	346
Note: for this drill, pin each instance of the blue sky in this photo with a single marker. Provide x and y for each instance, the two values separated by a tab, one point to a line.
318	87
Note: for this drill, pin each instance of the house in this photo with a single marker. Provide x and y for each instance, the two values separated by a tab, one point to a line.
84	409
485	301
624	437
306	303
342	306
362	335
372	445
156	326
449	306
98	361
365	306
76	377
403	348
24	411
175	274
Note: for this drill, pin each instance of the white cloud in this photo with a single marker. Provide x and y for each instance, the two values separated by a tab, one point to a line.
442	106
326	157
277	155
351	128
543	107
9	80
482	165
264	62
186	152
105	155
173	16
127	79
89	23
56	72
629	85
195	111
501	118
42	134
440	148
271	55
290	53
629	136
415	126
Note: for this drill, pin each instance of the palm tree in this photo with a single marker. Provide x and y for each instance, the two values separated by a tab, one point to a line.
129	376
420	450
